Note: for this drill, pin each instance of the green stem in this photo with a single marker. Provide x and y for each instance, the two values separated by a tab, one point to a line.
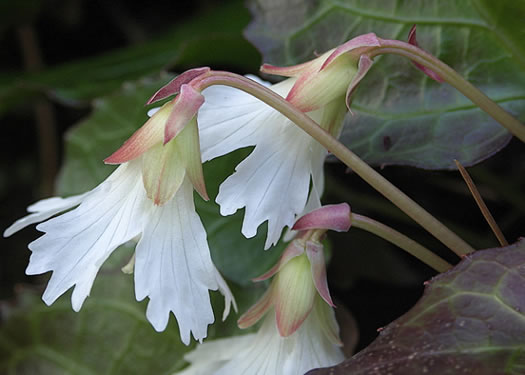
378	182
454	79
402	241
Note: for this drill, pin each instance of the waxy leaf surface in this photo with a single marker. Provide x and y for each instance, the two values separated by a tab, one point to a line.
401	116
470	320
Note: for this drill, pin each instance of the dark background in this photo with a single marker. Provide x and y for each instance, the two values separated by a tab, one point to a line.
373	280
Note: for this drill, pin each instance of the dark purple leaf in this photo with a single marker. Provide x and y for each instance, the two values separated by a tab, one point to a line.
470	320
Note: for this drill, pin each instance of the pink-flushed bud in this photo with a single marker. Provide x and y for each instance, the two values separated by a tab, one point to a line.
186	106
300	274
174	86
327	77
165	165
412	40
294	294
169	142
147	136
335	217
162	127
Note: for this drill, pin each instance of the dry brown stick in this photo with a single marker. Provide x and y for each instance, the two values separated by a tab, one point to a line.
44	113
481	204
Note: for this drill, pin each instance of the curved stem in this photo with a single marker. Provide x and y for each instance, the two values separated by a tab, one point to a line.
454	79
402	241
378	182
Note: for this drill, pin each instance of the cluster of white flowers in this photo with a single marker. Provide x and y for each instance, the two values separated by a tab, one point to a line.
149	196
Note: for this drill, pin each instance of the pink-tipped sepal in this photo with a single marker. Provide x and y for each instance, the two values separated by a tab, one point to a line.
299	277
412	40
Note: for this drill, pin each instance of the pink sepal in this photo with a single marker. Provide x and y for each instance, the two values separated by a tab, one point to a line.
355	47
315	254
335	217
412	40
173	87
147	136
257	311
186	106
286	71
365	63
294	249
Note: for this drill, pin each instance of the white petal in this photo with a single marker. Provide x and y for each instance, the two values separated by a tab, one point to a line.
209	356
228	120
43	210
152	111
272	183
314	346
76	243
229	300
309	347
173	267
231	119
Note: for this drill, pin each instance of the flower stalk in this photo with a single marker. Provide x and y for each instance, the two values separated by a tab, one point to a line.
453	78
377	181
400	240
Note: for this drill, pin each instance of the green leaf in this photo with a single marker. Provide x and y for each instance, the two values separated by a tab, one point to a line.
113	120
470	319
203	40
400	115
110	335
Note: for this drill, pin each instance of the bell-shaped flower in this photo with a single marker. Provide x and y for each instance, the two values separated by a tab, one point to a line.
149	197
300	274
315	344
285	169
302	334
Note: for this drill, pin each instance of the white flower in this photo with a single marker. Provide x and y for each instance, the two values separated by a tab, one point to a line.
273	182
315	344
173	266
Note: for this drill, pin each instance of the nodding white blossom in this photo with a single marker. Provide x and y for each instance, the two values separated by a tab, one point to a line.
274	181
315	344
299	331
149	196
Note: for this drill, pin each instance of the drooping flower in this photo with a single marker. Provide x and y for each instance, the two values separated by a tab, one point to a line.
284	171
315	344
300	275
299	331
150	196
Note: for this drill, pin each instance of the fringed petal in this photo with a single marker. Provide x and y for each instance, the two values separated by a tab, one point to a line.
231	119
272	183
229	300
43	210
76	243
267	353
174	269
